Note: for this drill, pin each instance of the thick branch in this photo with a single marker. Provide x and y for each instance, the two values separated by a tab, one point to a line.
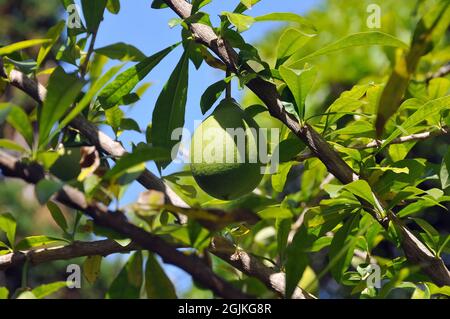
115	220
77	249
267	92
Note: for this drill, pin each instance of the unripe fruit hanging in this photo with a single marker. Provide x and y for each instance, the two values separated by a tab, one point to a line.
226	165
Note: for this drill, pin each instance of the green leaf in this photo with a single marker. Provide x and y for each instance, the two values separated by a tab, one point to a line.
122	51
4	293
139	155
8	225
53	34
244	5
212	94
91	268
62	91
275	212
429	109
38	241
113	6
290	42
302	22
159	4
48	289
240	21
57	215
357	39
279	179
157	284
283	227
22	45
431	232
299	83
297	260
93	13
8	144
127	284
169	111
18	119
361	189
444	173
342	248
45	189
198	4
125	82
5	108
89	96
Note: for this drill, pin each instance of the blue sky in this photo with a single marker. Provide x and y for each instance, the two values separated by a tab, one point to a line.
148	30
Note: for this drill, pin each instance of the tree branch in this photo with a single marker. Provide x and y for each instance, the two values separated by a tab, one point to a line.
415	251
77	249
250	265
105	144
116	220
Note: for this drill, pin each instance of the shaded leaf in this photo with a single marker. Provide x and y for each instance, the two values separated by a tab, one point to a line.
91	268
45	189
127	284
48	289
169	111
93	13
57	215
62	90
8	225
122	51
157	284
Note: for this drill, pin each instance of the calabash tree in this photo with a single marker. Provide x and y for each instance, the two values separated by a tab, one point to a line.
351	200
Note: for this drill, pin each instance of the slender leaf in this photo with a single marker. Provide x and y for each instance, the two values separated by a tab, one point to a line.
93	13
169	111
8	225
57	215
38	241
48	289
54	34
138	156
157	284
125	82
357	39
127	284
62	90
212	94
22	45
122	51
444	173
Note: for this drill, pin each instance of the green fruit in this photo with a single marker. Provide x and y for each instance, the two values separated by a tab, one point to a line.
213	146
